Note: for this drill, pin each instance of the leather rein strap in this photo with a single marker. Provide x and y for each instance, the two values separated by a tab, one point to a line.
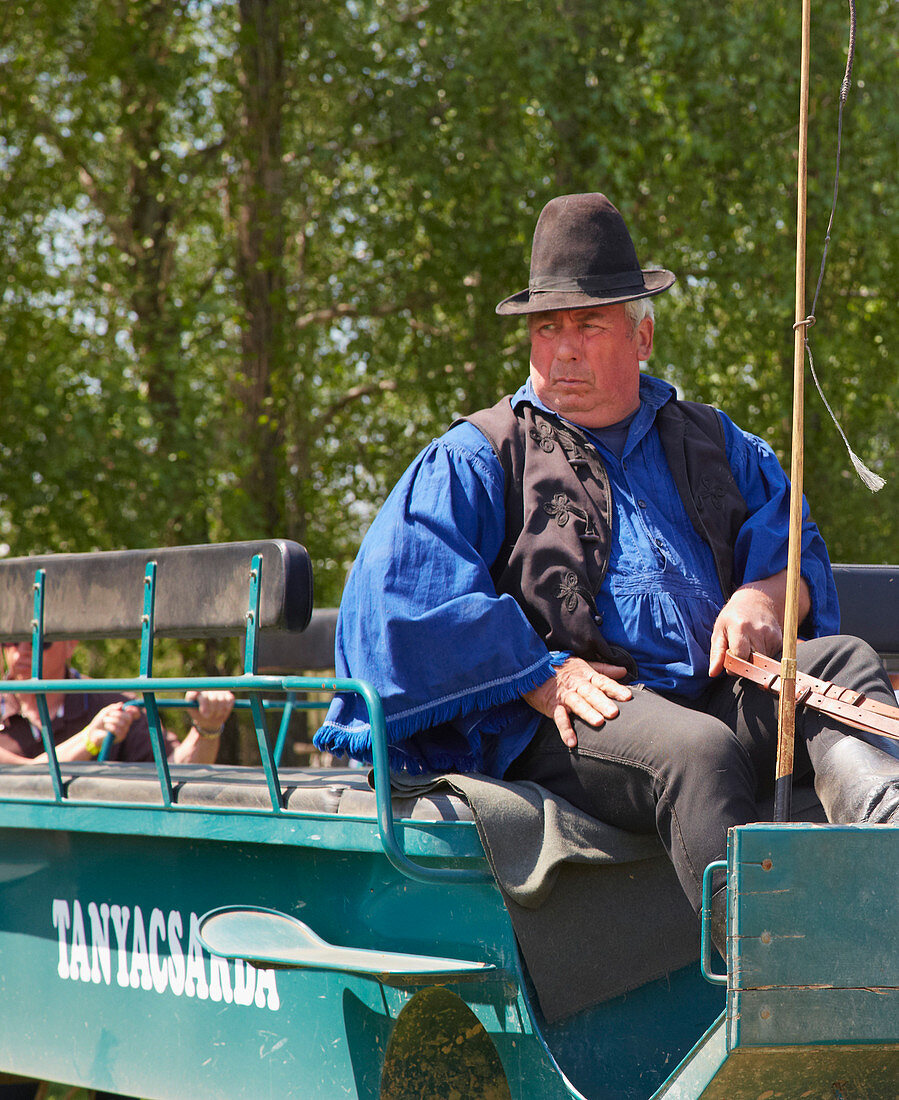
850	707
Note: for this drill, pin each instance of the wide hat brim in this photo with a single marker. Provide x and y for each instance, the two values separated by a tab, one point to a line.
653	281
583	256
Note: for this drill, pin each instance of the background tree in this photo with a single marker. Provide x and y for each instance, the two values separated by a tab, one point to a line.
252	250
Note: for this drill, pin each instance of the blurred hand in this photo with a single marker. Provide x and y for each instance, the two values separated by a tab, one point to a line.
115	719
213	708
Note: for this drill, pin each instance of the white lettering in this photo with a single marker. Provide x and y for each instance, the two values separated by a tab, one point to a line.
244	982
158	971
101	965
219	980
61	921
267	990
175	964
78	957
157	958
196	962
140	963
121	915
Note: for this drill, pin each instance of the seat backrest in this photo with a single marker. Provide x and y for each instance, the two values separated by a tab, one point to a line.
282	651
869	604
201	591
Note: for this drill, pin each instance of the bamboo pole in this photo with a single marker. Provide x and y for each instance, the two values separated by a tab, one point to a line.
787	710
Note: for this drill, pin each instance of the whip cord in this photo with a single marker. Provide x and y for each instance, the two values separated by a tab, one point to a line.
873	481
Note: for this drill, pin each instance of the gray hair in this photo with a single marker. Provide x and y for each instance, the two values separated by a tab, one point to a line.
634	310
637	309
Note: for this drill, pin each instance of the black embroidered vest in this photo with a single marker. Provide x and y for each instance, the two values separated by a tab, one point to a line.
559	513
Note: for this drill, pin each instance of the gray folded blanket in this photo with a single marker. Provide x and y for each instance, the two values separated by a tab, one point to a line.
529	832
597	911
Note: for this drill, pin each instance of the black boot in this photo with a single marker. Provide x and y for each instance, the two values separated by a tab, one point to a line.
858	783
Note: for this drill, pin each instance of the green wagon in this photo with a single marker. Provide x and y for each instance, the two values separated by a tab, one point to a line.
225	932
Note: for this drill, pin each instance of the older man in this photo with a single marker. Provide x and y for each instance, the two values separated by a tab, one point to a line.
549	591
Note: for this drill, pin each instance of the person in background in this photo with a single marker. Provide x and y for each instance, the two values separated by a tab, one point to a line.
81	721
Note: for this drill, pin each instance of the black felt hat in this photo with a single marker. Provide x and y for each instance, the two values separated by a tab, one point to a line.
583	256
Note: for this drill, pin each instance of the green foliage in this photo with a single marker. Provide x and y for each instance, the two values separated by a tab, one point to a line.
252	252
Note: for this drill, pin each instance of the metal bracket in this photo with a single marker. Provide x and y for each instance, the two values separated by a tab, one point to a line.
37	668
705	943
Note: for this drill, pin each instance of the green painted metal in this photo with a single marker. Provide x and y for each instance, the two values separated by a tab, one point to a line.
705	943
267	937
821	987
254	686
455	841
154	722
148	620
626	1048
251	642
813	992
102	927
106	987
289	705
815	957
37	659
701	1065
266	755
325	871
281	685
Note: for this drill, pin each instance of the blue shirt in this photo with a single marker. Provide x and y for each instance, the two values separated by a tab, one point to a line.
421	620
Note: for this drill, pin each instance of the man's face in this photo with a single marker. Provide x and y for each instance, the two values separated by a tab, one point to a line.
17	659
585	363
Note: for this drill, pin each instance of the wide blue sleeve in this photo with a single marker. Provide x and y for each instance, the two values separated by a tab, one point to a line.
420	618
761	546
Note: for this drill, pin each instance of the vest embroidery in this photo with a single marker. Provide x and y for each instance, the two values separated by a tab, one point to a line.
575	452
561	509
710	492
555	570
570	589
542	435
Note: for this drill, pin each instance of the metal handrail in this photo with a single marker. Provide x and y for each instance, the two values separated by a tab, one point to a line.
283	685
705	942
147	686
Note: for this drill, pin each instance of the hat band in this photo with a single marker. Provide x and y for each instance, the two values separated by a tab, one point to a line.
591	284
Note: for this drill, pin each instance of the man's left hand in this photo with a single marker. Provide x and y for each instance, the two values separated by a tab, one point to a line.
752	620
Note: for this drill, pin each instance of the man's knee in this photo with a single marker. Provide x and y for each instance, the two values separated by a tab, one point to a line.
714	749
843	650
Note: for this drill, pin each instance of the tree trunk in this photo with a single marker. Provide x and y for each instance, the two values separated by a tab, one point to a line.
260	266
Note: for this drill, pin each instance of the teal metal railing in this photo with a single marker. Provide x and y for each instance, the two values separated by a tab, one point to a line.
256	688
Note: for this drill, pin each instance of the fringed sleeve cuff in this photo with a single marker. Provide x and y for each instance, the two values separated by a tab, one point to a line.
347	731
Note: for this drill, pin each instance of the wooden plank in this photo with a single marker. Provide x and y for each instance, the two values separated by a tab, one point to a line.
783	1017
810	1072
813	906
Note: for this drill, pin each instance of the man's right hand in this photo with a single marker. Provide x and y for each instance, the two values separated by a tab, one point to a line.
585	689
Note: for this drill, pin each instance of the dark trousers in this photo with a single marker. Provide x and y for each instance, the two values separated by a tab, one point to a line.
691	769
